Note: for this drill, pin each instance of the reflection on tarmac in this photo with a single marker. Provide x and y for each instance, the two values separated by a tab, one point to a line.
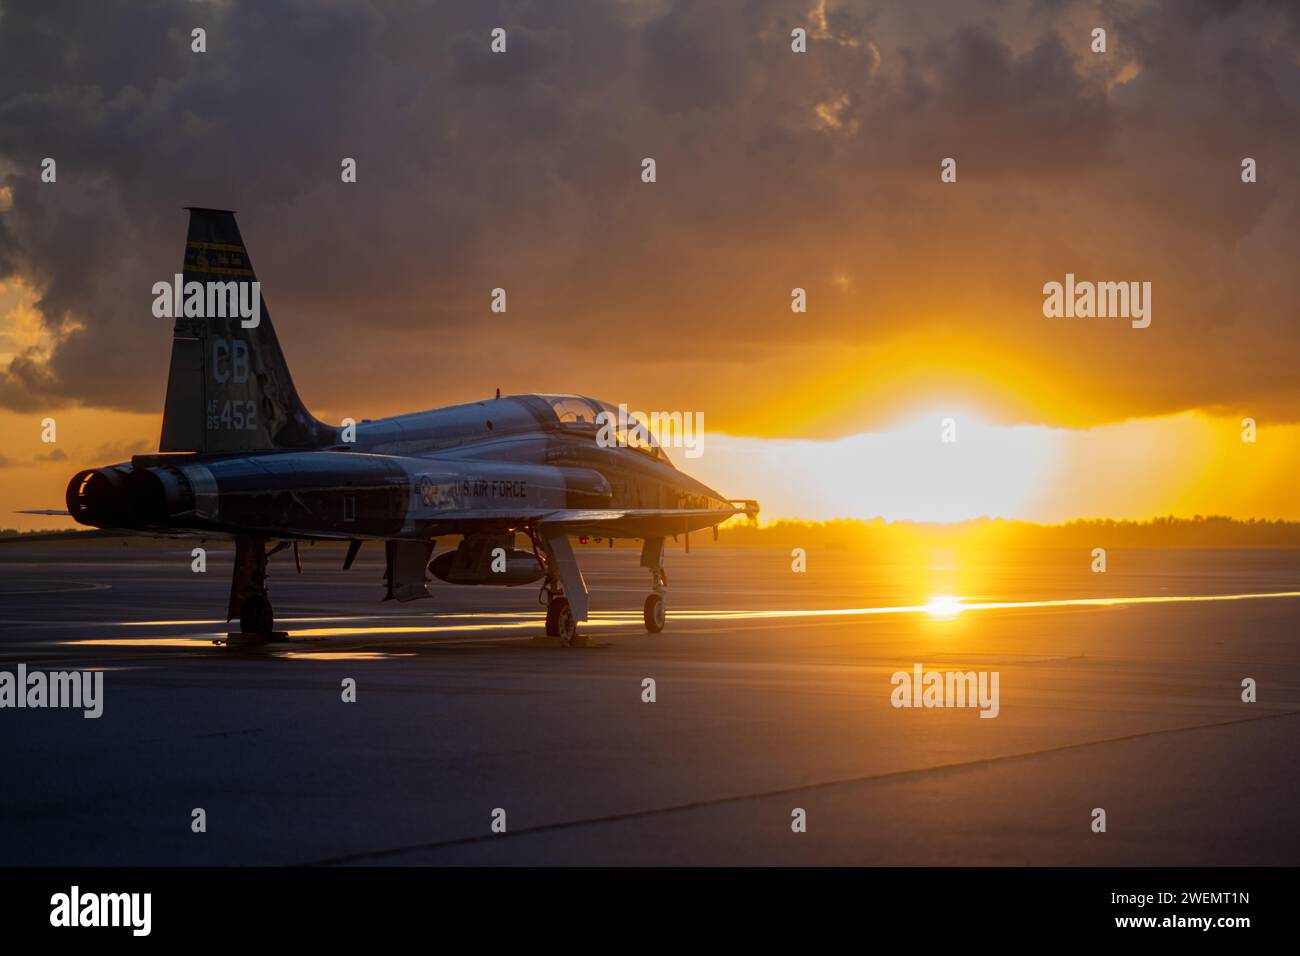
1122	691
942	606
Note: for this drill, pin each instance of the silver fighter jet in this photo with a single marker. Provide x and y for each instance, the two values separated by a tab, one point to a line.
242	456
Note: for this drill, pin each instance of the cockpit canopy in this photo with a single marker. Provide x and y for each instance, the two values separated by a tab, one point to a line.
574	409
588	413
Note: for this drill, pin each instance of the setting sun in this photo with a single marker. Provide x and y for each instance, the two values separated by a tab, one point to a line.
943	605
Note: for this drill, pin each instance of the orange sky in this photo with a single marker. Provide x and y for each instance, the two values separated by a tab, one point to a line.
775	170
1184	465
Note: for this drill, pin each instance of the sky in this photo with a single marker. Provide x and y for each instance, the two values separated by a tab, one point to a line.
774	170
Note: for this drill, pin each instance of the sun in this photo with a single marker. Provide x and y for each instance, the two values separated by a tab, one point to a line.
944	605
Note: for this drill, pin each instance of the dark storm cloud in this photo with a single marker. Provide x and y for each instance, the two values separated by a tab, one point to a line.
775	170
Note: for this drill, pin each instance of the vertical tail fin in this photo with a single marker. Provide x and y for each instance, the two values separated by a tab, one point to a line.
229	388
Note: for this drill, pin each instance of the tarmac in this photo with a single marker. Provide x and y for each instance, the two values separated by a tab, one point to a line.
773	704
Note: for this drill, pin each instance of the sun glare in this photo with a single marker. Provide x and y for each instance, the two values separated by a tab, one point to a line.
943	605
942	465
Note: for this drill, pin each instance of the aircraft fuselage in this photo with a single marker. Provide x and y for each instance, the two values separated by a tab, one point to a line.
408	477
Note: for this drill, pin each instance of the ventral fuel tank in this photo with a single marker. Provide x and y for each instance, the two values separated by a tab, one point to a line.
487	559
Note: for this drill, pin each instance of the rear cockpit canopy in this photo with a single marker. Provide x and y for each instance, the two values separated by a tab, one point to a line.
589	414
575	410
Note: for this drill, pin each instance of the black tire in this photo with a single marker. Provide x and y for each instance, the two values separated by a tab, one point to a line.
551	608
566	628
656	616
256	616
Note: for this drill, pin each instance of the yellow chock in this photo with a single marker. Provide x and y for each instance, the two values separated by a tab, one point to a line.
582	640
545	640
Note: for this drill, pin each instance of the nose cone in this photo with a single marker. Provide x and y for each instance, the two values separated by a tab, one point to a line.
696	494
701	495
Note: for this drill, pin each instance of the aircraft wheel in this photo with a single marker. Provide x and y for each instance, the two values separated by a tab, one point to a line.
656	615
256	616
566	628
551	607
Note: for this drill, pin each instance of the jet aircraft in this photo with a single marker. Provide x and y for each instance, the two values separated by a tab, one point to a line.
241	456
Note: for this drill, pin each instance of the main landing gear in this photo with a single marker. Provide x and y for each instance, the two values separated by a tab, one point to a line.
565	593
257	615
249	598
559	619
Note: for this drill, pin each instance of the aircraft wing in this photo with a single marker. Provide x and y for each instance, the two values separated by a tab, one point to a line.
614	522
611	522
638	522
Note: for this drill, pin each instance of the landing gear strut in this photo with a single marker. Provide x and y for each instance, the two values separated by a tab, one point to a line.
652	558
249	600
556	554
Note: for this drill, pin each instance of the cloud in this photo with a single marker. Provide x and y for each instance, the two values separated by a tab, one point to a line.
522	171
122	450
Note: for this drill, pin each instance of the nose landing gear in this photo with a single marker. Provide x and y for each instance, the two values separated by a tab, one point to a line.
654	613
652	558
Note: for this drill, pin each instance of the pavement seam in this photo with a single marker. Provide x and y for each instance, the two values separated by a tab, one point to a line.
783	791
